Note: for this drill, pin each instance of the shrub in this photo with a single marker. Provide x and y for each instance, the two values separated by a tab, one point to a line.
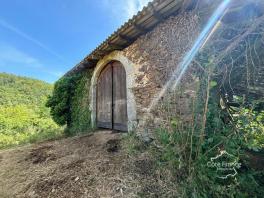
60	101
69	103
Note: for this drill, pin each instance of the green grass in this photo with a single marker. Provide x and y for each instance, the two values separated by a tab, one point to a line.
132	144
8	141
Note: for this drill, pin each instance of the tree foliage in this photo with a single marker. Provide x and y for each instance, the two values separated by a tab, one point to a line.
69	102
61	99
20	90
23	115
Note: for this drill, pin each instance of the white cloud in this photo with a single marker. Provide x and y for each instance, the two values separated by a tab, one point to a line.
10	55
124	9
134	6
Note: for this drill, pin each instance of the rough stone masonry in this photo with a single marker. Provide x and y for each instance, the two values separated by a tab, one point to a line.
158	54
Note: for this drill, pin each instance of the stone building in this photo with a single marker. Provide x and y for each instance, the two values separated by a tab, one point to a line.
132	67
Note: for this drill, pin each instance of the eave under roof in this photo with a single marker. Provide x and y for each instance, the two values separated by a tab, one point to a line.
144	21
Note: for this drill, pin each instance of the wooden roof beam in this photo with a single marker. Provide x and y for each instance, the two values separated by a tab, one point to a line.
125	38
89	61
100	53
140	28
124	34
115	46
95	56
156	14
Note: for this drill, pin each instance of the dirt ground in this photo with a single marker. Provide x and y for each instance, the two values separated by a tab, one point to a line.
87	166
95	165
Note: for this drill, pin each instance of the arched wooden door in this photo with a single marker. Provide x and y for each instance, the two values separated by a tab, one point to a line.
112	98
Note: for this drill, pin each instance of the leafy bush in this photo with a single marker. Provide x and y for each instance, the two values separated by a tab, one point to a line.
69	103
251	125
181	152
60	101
21	124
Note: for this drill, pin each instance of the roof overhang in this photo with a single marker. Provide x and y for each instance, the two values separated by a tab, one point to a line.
144	21
151	15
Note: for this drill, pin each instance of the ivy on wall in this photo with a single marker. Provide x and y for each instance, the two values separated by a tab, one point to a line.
69	102
80	113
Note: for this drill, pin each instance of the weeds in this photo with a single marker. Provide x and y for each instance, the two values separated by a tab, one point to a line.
208	155
132	144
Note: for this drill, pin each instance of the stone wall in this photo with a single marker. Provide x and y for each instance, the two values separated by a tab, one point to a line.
157	54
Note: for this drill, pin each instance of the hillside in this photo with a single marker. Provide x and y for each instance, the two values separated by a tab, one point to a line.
16	90
23	115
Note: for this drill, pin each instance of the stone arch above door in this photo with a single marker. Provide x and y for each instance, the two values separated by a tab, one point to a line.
131	103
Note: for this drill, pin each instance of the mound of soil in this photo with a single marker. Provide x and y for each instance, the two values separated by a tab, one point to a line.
113	145
41	154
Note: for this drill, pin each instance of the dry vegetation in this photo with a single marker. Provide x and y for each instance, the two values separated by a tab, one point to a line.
88	166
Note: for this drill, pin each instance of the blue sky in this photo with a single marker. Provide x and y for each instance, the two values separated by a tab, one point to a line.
44	39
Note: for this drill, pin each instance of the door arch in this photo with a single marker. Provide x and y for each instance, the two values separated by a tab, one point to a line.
112	97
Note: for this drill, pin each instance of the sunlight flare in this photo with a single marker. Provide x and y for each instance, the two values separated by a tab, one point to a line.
204	36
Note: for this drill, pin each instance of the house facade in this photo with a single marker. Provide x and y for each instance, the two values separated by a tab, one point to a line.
131	69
